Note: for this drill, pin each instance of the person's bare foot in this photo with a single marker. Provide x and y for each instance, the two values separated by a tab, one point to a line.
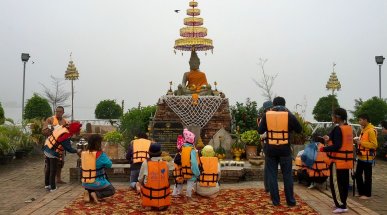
94	197
61	182
86	196
364	197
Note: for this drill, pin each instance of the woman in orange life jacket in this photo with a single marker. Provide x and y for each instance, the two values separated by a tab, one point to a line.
154	182
189	162
366	152
54	146
177	174
340	151
208	185
94	180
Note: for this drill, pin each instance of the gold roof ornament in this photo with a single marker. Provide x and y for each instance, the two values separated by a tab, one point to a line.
193	35
333	82
71	72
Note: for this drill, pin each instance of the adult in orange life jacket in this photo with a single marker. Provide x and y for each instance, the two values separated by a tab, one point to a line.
208	184
189	162
48	127
93	177
177	171
278	123
153	177
366	152
55	145
340	152
137	153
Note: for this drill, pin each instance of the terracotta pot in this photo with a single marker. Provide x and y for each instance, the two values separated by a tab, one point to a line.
251	151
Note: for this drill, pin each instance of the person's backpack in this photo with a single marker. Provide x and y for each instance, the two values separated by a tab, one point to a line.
310	154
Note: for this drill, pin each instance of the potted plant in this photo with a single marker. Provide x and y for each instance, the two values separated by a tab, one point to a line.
237	148
113	139
4	148
252	141
220	151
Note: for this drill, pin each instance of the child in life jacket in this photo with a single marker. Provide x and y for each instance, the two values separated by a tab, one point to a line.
189	162
153	177
208	185
177	173
312	164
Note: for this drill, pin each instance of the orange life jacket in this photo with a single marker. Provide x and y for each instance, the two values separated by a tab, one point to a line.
186	161
367	153
177	174
156	191
298	163
277	127
140	150
344	156
320	166
209	174
56	122
89	167
52	141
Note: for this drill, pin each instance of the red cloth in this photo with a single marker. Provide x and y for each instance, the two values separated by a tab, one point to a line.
98	154
321	149
64	137
75	127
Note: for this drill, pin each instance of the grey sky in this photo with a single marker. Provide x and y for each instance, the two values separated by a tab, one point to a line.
124	49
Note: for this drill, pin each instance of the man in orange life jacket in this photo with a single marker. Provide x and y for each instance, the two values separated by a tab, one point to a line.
153	177
137	153
55	145
366	152
278	123
48	127
340	152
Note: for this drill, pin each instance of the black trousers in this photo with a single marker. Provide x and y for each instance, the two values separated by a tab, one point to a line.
339	187
105	192
364	187
50	172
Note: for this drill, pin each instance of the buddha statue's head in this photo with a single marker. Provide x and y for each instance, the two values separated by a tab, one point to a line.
194	61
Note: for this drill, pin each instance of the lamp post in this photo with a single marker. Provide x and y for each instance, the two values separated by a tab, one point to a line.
24	58
333	83
379	60
72	74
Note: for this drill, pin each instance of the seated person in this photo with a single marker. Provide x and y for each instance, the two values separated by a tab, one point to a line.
194	79
208	185
153	178
93	164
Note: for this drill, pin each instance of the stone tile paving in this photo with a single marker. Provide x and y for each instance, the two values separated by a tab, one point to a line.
23	180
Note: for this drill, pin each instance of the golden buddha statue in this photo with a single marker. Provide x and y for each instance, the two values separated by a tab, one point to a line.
194	79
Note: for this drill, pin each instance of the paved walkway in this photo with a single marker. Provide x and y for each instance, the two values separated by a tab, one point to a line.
23	190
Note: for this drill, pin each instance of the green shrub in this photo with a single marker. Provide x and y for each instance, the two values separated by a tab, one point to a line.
108	109
245	115
113	137
2	117
37	108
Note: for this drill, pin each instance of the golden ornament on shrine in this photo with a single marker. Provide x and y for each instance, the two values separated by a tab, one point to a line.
71	72
193	36
333	82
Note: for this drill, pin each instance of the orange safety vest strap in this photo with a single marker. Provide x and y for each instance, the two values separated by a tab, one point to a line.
203	177
90	171
165	189
346	158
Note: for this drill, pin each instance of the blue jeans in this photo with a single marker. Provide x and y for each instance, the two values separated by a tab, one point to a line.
272	172
134	177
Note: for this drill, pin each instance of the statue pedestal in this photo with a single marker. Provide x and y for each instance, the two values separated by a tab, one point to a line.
167	136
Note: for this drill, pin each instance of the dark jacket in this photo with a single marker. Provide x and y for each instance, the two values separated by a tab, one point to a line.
293	125
336	137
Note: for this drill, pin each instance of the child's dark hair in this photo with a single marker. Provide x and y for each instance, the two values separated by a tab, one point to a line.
94	142
364	116
340	113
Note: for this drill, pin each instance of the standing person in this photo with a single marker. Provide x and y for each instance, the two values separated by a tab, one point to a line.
153	178
384	133
366	152
267	105
48	127
278	123
340	152
208	185
94	180
189	162
138	152
55	145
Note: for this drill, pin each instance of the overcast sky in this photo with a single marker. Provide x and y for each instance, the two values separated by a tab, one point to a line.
123	49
